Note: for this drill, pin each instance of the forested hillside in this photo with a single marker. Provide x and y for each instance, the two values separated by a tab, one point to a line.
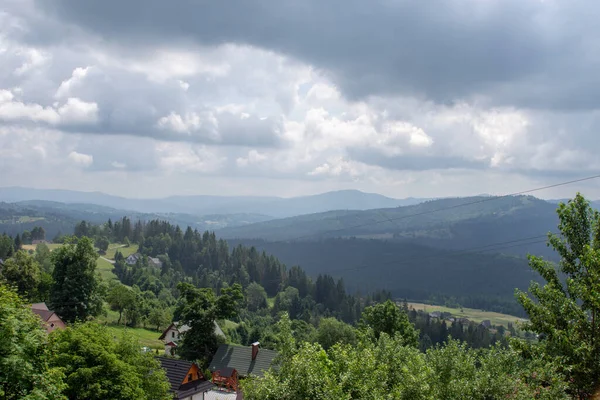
61	218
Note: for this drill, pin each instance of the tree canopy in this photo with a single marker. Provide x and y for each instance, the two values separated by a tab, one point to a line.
98	367
565	311
199	309
75	293
25	372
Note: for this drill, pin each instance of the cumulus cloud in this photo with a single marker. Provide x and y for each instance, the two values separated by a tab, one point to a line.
396	97
84	160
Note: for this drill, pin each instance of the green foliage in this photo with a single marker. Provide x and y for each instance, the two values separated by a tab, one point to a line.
120	298
388	369
102	243
332	331
565	311
7	247
75	294
199	309
98	367
23	272
42	256
256	297
24	355
388	318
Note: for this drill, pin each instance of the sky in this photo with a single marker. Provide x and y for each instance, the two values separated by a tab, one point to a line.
292	97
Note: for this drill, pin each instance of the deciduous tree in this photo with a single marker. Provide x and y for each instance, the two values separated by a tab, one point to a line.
24	354
75	294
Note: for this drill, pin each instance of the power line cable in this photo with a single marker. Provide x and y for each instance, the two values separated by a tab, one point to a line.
484	200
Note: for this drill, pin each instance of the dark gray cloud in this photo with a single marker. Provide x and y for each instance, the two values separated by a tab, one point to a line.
412	162
534	53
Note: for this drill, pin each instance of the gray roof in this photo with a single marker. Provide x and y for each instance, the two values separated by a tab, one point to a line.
240	358
176	371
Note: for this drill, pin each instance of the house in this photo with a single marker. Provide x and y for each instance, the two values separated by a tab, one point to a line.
241	361
154	262
435	314
132	259
185	379
486	323
49	318
172	334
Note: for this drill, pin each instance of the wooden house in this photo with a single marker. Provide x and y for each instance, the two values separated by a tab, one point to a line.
226	378
50	320
185	379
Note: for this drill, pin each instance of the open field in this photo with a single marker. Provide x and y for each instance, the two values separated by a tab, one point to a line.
470	313
146	337
105	269
126	251
32	247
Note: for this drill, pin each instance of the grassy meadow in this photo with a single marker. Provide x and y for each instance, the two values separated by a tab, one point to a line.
470	313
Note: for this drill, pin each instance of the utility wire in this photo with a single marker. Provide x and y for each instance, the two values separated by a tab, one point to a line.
484	200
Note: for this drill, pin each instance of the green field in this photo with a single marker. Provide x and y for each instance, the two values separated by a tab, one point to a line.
470	313
32	247
126	251
146	337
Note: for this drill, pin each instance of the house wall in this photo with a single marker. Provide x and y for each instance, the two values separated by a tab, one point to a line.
169	336
56	321
195	372
197	396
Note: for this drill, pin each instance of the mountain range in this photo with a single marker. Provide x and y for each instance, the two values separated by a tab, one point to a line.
270	207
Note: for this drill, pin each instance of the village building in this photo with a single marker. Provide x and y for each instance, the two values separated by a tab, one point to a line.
232	362
50	320
132	259
185	379
173	333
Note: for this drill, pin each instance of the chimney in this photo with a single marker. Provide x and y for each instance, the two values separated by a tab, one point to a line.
254	350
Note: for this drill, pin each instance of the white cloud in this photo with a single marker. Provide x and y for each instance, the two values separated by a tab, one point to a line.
66	86
84	160
76	111
253	157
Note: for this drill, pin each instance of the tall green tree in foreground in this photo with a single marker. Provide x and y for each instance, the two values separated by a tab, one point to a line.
75	294
199	309
390	319
386	368
98	367
565	311
24	356
23	272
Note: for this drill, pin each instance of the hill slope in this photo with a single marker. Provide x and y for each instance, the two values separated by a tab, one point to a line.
206	205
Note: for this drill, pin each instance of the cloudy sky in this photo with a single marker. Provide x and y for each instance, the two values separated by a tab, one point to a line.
289	97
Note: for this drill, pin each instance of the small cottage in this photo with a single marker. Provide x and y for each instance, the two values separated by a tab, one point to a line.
232	362
173	333
50	320
185	379
132	259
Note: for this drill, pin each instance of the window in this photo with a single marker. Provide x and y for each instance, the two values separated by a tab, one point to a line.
51	325
190	376
173	334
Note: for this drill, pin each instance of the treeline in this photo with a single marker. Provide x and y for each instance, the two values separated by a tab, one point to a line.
208	262
412	271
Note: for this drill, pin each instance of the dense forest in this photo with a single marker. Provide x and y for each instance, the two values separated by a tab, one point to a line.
347	345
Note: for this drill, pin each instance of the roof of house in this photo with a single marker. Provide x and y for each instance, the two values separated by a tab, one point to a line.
39	306
193	387
44	314
240	358
176	371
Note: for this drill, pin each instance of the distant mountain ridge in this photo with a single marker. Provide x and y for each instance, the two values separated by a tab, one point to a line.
275	207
